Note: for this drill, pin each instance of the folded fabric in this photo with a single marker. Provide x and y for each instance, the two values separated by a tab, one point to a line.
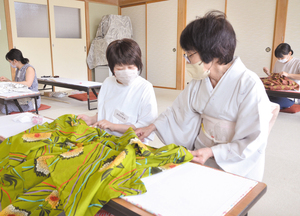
276	82
23	118
68	166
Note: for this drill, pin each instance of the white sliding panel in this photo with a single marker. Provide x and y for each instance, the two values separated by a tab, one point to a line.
137	16
162	43
68	34
253	22
30	33
292	31
198	8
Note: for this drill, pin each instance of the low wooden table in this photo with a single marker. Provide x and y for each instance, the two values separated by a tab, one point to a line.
14	96
284	93
121	207
72	84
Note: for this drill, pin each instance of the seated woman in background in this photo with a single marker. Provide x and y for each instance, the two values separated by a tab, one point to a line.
125	99
26	75
287	66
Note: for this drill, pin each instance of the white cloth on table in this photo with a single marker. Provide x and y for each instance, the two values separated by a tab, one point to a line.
137	101
238	97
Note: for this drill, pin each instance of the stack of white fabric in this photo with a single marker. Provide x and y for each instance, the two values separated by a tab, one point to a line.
6	87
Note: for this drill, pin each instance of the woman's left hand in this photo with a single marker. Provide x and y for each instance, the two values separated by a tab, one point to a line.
4	79
284	74
201	155
104	124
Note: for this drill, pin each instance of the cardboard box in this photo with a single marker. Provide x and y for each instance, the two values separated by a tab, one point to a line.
48	94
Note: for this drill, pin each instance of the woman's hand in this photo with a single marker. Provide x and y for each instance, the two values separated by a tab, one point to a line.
284	74
3	79
266	70
104	124
201	155
144	132
89	120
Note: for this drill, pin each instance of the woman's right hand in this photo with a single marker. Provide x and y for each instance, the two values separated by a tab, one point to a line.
266	70
144	132
88	119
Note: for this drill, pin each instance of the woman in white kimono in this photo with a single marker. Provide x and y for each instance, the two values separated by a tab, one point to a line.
126	99
223	114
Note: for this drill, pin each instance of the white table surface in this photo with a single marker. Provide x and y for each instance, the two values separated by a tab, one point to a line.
73	81
18	94
8	127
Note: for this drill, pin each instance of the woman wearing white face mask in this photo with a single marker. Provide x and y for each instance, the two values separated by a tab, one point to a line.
125	99
287	66
223	115
26	75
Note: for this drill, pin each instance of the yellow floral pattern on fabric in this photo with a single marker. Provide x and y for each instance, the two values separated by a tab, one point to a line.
53	199
13	211
115	162
72	153
31	137
41	164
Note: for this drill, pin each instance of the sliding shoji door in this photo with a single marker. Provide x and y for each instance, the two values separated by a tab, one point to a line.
137	16
162	43
30	32
293	26
68	36
253	22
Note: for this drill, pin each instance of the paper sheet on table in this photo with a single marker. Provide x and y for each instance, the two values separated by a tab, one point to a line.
191	189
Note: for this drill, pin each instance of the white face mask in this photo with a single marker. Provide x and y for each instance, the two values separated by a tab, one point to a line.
196	71
13	65
126	77
282	60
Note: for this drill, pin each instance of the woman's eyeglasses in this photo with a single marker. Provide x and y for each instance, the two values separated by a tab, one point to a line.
188	56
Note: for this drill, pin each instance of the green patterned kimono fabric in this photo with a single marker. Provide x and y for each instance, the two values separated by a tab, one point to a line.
71	167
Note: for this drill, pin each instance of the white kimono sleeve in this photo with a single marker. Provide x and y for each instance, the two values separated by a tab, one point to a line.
180	123
245	154
105	88
148	108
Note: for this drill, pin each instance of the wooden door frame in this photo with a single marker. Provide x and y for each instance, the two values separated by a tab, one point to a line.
279	27
180	62
9	33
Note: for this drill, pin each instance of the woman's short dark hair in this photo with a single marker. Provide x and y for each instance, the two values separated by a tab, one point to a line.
283	49
16	54
212	36
124	52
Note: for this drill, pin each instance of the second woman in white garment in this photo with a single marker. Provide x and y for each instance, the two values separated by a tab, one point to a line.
125	99
223	114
